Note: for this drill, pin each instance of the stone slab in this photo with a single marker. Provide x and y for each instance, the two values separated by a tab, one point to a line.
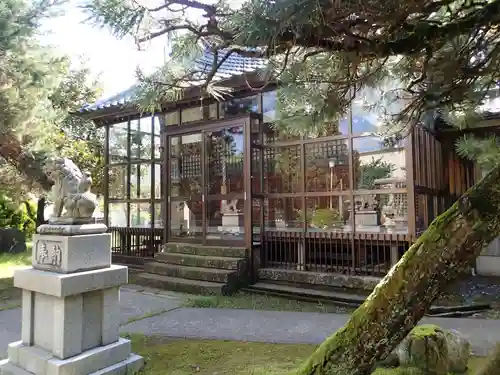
72	220
33	360
64	285
72	229
70	254
8	368
133	364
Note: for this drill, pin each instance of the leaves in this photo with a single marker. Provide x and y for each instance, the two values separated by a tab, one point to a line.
37	90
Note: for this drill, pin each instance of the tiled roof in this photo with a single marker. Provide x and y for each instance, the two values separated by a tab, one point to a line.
235	65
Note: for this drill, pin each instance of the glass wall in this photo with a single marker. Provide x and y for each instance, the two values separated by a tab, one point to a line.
134	174
345	178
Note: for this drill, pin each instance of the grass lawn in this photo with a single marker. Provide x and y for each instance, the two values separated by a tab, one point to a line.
205	357
262	302
10	297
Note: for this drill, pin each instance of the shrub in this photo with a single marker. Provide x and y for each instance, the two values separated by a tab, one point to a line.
21	216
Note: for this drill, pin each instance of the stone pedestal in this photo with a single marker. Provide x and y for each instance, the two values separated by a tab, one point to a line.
232	222
70	308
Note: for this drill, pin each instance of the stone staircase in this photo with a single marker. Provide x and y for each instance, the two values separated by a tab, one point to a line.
197	269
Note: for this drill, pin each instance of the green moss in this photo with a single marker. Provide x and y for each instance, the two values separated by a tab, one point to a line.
166	356
425	330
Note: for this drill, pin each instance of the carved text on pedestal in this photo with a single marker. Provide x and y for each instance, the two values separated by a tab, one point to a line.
49	253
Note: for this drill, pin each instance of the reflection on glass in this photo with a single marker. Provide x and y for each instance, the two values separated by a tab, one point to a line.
213	111
140	139
327	166
158	181
156	125
186	219
192	114
256	174
282	170
158	215
117	215
225	161
333	128
422	213
185	166
331	213
283	213
239	106
140	181
157	138
117	180
273	134
225	219
118	136
140	215
381	213
377	166
269	106
172	118
364	122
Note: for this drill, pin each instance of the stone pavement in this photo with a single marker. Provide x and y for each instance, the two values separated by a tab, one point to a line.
245	325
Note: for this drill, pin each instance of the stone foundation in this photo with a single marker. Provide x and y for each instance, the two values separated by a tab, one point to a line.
70	309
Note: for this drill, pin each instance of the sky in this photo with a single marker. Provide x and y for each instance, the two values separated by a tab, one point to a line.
114	60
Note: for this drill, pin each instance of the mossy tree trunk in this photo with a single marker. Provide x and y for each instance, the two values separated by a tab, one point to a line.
27	163
396	305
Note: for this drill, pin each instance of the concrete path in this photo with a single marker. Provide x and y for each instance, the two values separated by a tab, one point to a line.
133	305
287	327
245	325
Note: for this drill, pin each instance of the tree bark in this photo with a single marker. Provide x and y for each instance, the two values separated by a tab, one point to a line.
27	163
445	250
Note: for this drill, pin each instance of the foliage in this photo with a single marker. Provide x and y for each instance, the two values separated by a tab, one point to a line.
415	58
485	151
375	169
325	218
13	215
79	139
37	88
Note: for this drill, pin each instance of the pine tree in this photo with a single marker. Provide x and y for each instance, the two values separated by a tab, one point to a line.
411	59
37	89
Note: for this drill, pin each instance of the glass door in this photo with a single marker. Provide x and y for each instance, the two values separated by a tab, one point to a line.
225	183
185	190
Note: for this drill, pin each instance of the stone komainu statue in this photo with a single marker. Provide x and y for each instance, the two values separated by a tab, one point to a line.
71	190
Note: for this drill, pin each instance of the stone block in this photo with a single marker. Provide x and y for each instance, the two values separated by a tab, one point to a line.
13	351
131	365
33	359
8	368
110	359
92	319
90	361
110	311
67	326
12	240
64	285
43	322
71	229
69	254
27	316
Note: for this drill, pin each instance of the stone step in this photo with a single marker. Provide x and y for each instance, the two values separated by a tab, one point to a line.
201	261
177	284
192	273
348	299
215	251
